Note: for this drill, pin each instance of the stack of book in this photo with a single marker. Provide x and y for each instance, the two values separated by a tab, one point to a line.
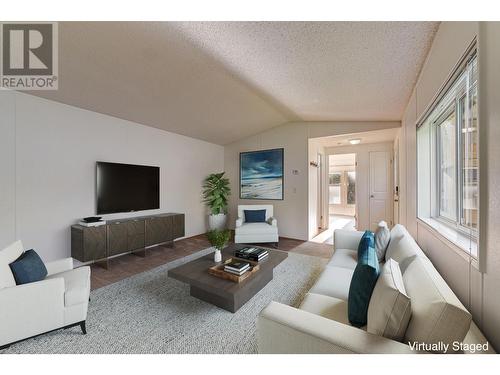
255	254
237	267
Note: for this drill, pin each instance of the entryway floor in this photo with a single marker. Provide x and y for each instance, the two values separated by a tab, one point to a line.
336	222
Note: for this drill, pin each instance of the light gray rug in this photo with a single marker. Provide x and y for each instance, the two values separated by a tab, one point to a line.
152	313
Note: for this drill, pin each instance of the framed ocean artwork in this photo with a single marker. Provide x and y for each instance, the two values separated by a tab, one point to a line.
261	174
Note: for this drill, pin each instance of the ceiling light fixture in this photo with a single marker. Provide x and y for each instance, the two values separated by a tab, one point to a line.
356	141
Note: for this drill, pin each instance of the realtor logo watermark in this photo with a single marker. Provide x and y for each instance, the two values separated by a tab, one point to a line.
29	56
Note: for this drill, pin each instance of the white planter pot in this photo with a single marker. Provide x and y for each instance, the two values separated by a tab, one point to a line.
217	221
217	256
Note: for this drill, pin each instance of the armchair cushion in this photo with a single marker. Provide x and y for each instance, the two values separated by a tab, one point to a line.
257	228
76	285
59	265
255	216
28	268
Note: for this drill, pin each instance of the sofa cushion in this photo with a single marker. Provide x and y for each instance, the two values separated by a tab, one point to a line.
363	281
367	241
437	314
255	216
28	268
76	285
390	308
333	282
325	306
7	256
344	258
402	247
257	228
382	238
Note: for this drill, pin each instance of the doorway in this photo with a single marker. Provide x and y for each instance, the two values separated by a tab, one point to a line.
380	206
342	191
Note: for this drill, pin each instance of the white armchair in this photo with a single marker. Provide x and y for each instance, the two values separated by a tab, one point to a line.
256	232
59	301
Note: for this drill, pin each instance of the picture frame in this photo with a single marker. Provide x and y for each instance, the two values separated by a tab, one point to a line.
262	174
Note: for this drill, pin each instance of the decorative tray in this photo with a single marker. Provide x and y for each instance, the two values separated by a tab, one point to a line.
218	271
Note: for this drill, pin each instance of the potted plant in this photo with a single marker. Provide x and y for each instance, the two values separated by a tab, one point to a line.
219	240
216	190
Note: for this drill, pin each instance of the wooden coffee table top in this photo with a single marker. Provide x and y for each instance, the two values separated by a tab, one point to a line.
196	273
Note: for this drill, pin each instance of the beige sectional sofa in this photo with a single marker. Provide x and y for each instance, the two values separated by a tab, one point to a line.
438	323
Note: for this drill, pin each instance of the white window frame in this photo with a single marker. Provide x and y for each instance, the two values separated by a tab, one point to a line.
451	102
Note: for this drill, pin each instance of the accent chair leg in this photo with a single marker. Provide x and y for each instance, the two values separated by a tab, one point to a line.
83	327
5	347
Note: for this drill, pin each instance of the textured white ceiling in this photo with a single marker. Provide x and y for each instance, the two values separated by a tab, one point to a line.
374	136
323	70
223	81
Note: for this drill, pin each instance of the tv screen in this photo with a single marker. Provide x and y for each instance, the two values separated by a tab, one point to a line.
127	187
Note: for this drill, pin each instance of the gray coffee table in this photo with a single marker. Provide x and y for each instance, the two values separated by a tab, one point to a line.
226	294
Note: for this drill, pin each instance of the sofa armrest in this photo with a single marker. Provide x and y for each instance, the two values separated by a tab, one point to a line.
31	309
239	222
58	266
346	239
272	221
285	329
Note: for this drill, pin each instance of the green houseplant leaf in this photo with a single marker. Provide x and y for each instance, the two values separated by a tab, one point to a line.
219	238
216	191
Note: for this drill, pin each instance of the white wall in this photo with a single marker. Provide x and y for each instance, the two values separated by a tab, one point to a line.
48	154
7	169
362	152
488	303
293	212
478	291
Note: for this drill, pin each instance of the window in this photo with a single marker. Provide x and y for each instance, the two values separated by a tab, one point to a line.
335	179
469	163
447	169
448	159
338	194
351	187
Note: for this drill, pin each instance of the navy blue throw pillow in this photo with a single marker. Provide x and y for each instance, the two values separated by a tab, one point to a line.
363	281
255	216
28	268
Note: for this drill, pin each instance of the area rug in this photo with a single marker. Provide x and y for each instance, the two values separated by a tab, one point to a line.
152	313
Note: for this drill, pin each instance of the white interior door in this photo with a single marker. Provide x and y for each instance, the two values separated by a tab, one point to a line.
380	188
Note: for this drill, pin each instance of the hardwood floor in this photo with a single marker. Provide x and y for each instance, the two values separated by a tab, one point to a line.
129	264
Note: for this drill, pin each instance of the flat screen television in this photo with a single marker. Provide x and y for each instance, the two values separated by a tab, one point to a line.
126	187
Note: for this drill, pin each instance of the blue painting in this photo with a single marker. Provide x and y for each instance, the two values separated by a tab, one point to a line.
261	174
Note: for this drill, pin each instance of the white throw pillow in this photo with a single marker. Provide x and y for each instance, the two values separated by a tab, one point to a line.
382	238
438	317
389	310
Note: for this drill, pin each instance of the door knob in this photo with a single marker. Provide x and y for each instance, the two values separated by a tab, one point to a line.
372	196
